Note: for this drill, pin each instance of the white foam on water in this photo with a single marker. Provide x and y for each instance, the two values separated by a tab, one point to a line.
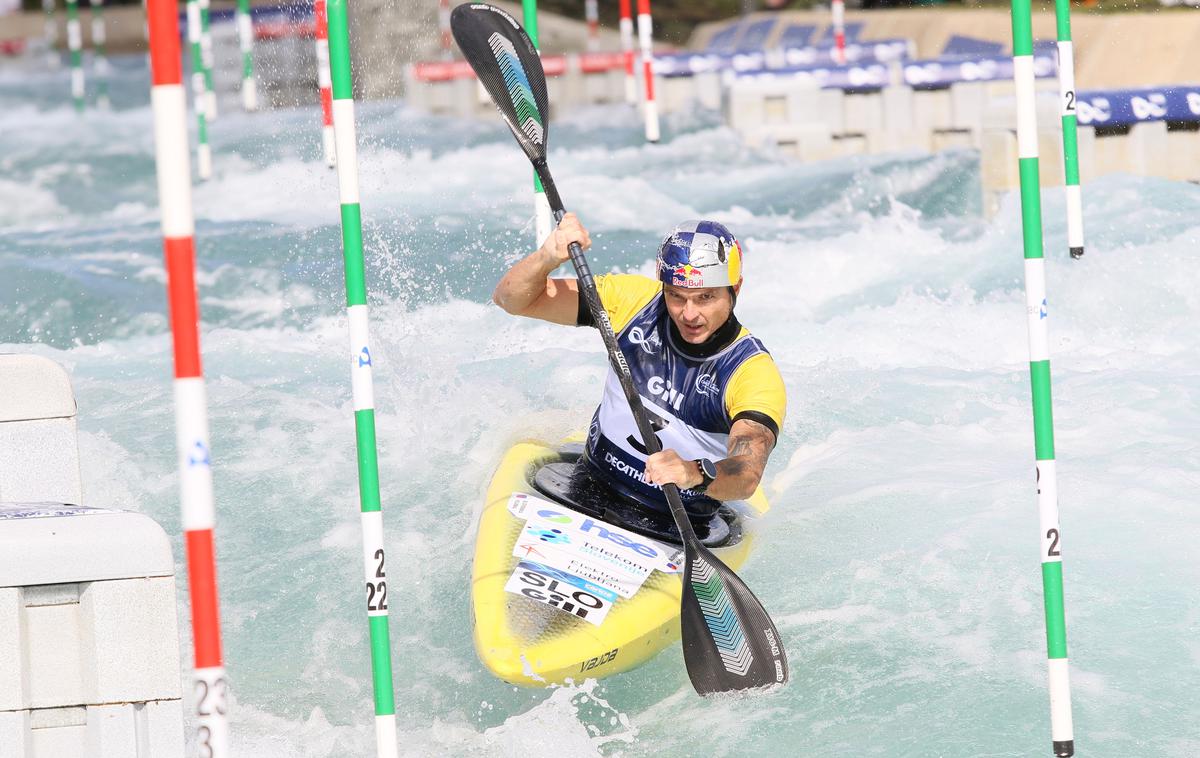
900	557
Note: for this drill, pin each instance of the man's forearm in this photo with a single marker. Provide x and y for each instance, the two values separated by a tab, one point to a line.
525	282
737	478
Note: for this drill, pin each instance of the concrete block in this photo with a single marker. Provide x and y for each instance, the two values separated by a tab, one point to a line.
863	113
111	730
60	732
968	101
1112	155
1148	149
39	452
707	90
830	108
898	110
53	650
1051	169
850	144
160	726
953	139
1086	138
81	662
1183	147
14	679
998	170
34	388
14	732
115	613
808	142
672	94
932	110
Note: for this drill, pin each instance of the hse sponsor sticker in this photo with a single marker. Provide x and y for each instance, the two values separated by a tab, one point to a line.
543	585
592	537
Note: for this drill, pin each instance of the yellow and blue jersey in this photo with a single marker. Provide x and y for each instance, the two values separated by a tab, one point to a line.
691	401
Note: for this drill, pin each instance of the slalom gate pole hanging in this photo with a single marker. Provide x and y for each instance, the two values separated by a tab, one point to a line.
206	51
100	57
371	508
542	217
839	31
169	106
1061	729
324	82
1070	132
591	14
245	27
75	44
626	28
50	34
199	92
646	39
444	29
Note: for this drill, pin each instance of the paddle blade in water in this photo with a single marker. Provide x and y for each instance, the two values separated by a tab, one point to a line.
729	641
507	64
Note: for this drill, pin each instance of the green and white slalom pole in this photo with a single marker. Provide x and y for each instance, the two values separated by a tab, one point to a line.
245	27
543	219
199	92
100	59
1066	101
206	51
1061	729
75	44
361	379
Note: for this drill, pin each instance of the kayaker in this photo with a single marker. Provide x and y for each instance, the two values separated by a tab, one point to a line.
712	391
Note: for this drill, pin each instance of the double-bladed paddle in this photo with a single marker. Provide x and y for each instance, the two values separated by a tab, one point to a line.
729	641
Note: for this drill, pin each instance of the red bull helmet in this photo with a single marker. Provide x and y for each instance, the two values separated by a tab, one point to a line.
700	254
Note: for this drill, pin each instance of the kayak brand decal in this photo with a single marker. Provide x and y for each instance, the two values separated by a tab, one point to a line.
537	583
599	660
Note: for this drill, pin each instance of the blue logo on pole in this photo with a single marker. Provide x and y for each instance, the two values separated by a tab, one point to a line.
364	357
199	455
1043	313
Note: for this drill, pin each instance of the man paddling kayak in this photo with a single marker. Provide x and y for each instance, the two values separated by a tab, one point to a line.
713	392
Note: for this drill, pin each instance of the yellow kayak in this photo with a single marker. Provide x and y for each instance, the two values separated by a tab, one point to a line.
561	595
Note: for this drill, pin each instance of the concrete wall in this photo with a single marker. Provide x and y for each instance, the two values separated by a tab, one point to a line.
1112	50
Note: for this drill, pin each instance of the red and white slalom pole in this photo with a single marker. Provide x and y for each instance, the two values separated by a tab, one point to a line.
646	40
169	105
591	12
444	27
839	31
627	51
325	82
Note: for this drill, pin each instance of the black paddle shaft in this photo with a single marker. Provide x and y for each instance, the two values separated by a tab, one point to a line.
587	287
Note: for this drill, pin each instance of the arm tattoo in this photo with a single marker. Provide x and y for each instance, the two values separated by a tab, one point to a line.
739	446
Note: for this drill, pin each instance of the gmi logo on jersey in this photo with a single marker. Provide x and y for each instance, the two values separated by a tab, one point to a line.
665	391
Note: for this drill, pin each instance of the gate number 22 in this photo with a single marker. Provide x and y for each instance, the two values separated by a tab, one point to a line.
377	591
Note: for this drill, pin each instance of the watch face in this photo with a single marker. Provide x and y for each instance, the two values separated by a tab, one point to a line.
708	468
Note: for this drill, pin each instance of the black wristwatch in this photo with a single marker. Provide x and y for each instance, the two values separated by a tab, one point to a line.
708	470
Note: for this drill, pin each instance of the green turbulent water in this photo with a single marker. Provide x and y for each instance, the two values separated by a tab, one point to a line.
901	558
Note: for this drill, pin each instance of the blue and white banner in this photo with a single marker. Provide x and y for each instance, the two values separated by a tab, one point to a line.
935	74
1133	106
